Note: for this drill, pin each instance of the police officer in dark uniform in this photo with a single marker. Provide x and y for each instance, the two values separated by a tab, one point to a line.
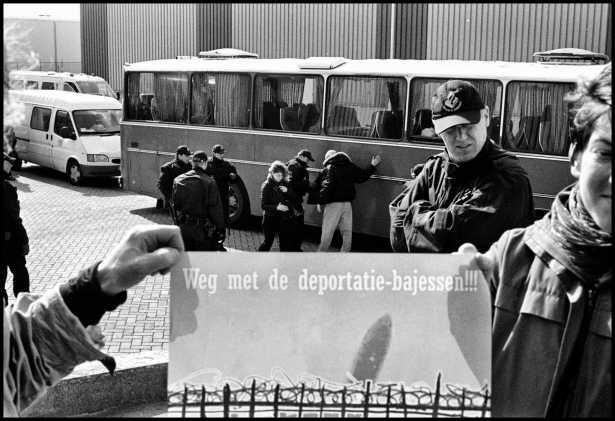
172	169
223	173
299	182
198	209
15	243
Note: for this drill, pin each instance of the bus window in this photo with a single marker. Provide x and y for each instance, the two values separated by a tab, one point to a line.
420	125
50	86
157	97
366	107
536	117
31	84
220	99
289	103
40	119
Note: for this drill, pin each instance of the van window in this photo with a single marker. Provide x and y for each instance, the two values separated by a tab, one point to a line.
536	117
220	99
289	103
70	87
62	120
40	119
50	86
32	84
16	84
96	88
366	107
157	97
97	121
420	125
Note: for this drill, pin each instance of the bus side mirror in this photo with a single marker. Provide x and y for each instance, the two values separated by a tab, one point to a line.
67	133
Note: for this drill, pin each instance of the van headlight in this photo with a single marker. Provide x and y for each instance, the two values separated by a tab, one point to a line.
97	158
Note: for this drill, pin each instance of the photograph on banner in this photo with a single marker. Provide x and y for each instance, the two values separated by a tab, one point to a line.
305	333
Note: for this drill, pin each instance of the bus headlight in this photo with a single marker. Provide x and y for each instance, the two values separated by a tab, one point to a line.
97	158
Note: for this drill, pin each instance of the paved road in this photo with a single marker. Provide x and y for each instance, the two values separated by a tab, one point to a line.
73	227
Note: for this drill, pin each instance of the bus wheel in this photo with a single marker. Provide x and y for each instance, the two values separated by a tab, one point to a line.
73	172
239	203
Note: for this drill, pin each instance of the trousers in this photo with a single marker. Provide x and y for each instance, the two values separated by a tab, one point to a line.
336	215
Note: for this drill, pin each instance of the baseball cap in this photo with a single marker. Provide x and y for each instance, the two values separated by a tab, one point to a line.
455	102
183	150
199	156
306	153
218	149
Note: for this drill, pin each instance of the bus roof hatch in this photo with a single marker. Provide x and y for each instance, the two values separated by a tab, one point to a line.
570	56
222	53
322	62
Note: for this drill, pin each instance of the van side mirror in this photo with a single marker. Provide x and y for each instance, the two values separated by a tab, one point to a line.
66	132
117	95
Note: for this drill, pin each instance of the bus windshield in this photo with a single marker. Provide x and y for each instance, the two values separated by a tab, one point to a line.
97	122
96	88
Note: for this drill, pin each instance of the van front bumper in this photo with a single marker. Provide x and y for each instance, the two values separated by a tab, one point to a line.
100	170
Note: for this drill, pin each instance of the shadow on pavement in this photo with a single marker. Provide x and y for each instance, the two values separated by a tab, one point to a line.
159	216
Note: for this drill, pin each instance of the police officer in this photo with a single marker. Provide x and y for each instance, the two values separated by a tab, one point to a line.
198	209
299	182
15	243
223	173
172	169
472	192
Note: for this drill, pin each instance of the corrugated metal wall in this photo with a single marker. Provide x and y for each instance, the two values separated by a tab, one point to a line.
214	26
94	45
411	31
515	31
142	31
304	30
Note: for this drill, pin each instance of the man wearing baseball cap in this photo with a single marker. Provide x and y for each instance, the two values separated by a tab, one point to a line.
470	193
299	182
170	170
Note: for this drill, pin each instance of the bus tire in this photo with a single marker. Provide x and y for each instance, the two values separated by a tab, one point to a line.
239	204
73	172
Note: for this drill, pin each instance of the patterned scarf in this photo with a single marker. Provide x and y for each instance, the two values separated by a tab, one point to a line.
570	235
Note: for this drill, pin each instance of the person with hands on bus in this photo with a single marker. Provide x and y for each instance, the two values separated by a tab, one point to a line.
46	336
337	191
223	173
552	283
471	192
299	182
170	170
198	209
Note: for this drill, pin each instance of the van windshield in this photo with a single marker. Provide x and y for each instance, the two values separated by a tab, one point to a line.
97	122
96	88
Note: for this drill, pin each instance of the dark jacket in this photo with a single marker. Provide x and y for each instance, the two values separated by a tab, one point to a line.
196	194
168	173
448	204
299	176
339	177
272	195
14	232
535	326
220	170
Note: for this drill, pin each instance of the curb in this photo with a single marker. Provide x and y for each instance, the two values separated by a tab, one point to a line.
139	379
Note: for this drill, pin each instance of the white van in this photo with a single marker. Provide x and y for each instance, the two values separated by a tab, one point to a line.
74	133
55	81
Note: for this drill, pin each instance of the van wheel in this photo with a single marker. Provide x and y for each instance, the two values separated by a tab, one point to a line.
239	203
73	172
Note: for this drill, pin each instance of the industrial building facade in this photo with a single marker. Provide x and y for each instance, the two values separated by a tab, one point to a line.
113	34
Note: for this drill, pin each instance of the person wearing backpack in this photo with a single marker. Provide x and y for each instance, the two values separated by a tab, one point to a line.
470	193
197	207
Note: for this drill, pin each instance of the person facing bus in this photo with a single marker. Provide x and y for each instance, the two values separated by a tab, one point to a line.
170	170
279	204
299	181
337	191
552	284
223	173
197	207
472	192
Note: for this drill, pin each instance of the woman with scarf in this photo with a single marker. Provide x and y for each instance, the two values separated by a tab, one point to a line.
279	208
552	283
